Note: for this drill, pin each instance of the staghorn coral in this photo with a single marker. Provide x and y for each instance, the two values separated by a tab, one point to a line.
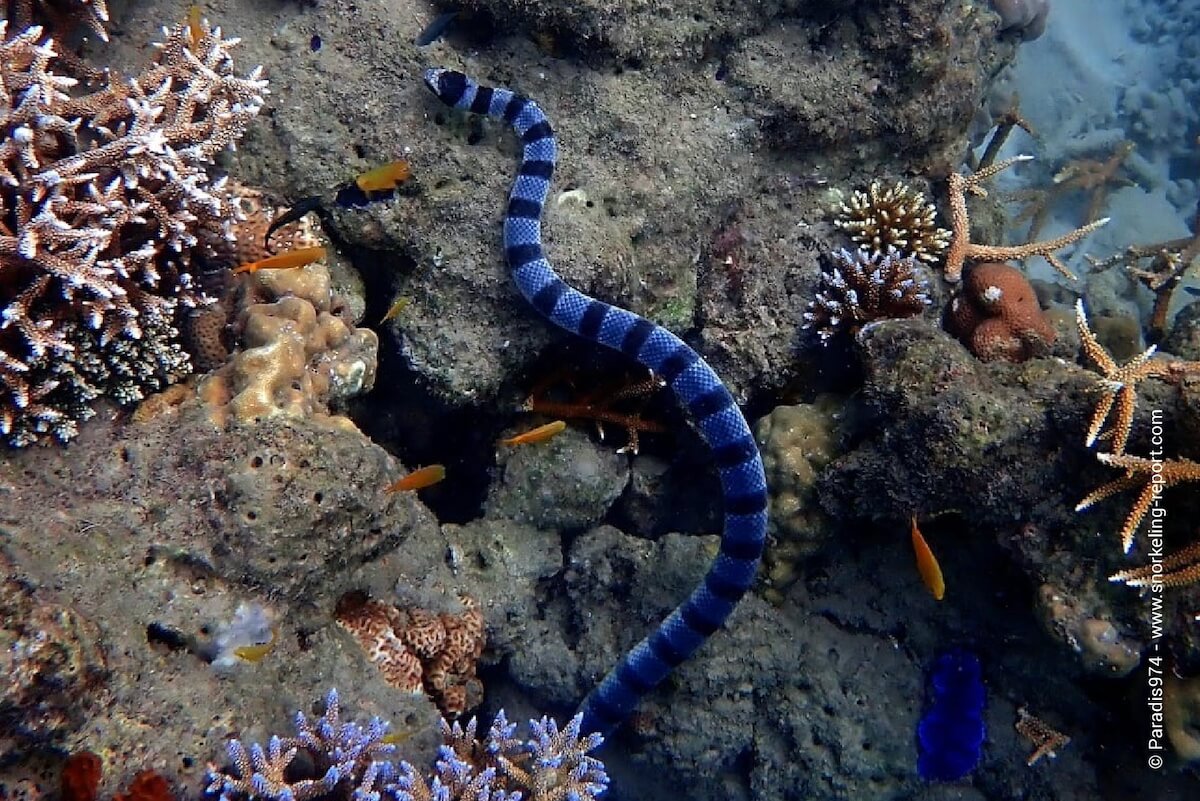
553	764
1118	383
962	249
865	287
341	753
106	203
353	761
417	650
997	316
896	217
60	15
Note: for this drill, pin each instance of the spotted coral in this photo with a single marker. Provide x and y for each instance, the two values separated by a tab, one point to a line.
864	287
418	650
107	200
997	316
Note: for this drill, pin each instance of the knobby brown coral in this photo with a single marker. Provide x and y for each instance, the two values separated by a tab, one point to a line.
997	315
107	200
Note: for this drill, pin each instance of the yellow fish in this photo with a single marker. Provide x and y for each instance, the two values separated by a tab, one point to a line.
254	653
927	563
384	177
395	309
283	261
539	434
419	479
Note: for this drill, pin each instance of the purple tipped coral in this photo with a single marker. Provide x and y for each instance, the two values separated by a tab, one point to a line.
344	755
353	762
864	287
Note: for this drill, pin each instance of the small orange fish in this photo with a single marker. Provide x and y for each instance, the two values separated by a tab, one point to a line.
927	563
195	25
384	177
539	434
419	479
283	261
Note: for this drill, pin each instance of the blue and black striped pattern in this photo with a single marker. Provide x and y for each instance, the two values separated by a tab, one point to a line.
694	383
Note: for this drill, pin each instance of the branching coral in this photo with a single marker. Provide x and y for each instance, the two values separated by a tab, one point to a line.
897	217
60	14
863	287
354	761
106	201
963	249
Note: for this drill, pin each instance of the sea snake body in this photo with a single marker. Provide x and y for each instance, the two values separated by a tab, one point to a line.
694	383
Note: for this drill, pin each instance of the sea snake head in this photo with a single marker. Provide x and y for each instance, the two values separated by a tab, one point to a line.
448	85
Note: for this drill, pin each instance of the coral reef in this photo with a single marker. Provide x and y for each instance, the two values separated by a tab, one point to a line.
860	288
997	316
796	443
552	764
59	15
52	664
341	752
300	356
80	781
417	650
109	200
897	217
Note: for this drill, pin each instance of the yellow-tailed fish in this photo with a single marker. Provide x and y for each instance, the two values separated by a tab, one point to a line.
927	563
254	653
539	434
419	479
395	309
287	260
397	737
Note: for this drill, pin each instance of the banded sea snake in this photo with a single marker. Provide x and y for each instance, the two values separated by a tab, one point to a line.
694	383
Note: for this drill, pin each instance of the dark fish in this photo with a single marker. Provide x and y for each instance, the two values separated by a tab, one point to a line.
1192	290
298	210
434	30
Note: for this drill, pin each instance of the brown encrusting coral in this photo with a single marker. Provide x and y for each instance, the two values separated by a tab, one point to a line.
897	217
417	650
997	316
107	202
860	288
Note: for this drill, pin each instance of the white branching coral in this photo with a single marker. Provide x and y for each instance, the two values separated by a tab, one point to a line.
862	287
897	217
107	202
